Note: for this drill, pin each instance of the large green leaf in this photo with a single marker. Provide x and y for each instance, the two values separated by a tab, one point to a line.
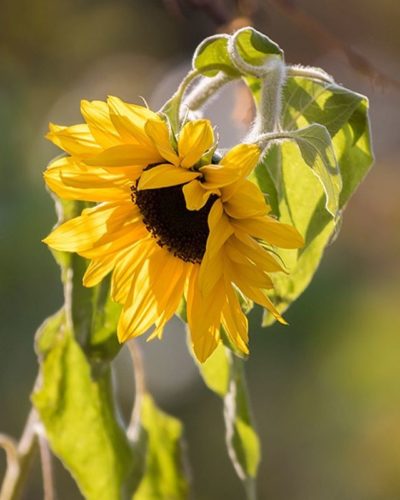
316	114
316	148
77	410
223	373
92	313
164	477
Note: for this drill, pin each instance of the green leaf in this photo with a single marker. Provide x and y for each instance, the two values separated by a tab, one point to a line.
93	314
223	373
317	151
296	196
254	47
242	440
307	101
215	371
81	424
211	56
164	477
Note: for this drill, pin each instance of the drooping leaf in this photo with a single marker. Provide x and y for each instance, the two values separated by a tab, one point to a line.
296	196
223	373
164	477
215	371
212	56
307	101
77	410
93	314
254	47
242	439
316	148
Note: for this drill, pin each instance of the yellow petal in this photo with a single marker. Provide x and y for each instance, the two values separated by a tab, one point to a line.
125	155
234	320
195	139
258	296
76	140
270	230
243	157
130	120
73	181
211	271
117	240
220	229
241	271
82	232
154	285
196	196
218	176
211	268
247	246
247	201
165	175
98	269
204	316
129	262
158	132
97	117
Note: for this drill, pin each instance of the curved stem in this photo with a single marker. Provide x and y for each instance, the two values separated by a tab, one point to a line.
270	105
309	72
205	90
173	105
19	459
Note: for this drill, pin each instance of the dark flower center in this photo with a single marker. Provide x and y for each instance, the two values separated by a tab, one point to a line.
183	232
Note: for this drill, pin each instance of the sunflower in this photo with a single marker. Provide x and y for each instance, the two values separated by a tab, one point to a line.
172	220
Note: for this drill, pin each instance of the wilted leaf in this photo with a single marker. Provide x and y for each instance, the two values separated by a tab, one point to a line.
223	373
164	477
317	151
78	413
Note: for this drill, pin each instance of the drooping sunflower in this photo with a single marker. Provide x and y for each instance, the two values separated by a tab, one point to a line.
172	220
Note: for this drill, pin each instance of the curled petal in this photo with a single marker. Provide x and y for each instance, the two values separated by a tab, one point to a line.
195	139
196	196
164	176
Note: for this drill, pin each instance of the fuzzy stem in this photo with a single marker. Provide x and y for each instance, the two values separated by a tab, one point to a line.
309	72
175	103
206	89
270	105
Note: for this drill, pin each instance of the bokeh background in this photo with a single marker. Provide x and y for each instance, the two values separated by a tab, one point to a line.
326	389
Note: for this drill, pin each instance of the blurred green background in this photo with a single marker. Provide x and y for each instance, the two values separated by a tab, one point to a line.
326	389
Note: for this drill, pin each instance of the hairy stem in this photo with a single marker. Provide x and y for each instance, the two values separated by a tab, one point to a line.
206	89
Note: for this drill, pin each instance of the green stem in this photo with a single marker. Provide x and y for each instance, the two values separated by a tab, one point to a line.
309	72
173	105
19	459
206	89
270	105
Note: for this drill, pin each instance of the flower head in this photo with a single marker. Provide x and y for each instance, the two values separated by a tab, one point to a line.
172	221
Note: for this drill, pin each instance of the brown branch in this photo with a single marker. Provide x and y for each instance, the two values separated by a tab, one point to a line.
317	31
